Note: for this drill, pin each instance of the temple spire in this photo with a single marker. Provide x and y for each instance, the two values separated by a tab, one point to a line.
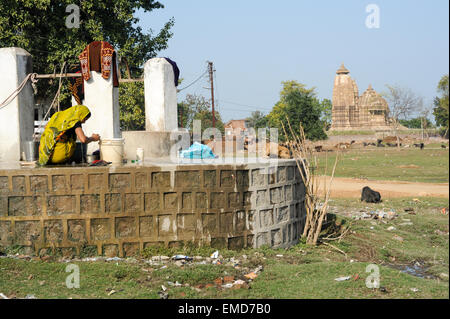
342	70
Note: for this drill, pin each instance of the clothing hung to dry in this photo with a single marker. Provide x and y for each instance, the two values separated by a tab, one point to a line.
76	85
176	70
99	56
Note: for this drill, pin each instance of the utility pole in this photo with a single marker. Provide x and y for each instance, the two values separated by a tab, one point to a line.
211	79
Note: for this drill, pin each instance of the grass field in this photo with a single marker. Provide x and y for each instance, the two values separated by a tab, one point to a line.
413	257
298	272
407	164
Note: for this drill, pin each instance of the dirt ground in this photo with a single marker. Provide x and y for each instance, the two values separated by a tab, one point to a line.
351	188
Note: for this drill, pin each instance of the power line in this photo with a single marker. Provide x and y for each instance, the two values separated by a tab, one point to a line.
252	106
198	79
240	110
213	77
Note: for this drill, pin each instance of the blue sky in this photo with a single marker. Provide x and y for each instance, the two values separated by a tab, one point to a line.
257	44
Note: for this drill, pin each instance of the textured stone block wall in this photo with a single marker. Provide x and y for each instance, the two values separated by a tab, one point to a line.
120	211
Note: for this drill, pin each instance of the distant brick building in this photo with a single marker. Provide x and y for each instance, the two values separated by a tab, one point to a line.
350	111
238	127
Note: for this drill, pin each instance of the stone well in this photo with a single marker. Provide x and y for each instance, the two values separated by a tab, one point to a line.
118	211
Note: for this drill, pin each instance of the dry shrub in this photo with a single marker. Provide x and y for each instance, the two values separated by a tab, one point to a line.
307	164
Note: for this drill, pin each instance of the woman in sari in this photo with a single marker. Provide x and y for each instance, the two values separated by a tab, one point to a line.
58	141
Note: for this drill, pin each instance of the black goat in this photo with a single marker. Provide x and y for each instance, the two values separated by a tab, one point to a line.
370	196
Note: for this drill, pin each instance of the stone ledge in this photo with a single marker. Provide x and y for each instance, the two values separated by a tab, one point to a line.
121	210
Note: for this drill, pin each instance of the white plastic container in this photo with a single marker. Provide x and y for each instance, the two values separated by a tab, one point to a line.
111	150
140	155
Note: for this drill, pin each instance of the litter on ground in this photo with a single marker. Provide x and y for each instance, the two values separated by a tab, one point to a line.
182	257
251	275
377	214
215	254
343	278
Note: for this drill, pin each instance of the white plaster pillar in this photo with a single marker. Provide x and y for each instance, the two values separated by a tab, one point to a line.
16	118
102	99
161	113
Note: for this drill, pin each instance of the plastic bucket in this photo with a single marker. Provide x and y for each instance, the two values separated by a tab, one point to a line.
111	150
30	151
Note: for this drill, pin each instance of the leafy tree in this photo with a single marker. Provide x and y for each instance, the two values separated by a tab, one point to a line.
257	120
132	106
205	116
326	107
196	107
39	26
299	105
184	115
293	86
416	122
440	112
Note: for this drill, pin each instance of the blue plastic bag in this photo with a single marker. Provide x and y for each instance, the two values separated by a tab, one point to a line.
198	151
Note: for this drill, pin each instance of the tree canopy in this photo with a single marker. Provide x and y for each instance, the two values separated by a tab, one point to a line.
301	106
39	26
197	107
326	107
440	112
257	120
132	106
416	122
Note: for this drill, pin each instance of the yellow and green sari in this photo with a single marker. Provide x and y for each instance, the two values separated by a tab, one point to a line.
54	147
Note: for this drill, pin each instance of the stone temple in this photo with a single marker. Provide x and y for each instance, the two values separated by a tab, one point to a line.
351	111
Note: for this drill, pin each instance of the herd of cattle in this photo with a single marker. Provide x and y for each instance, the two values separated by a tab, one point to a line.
286	150
390	141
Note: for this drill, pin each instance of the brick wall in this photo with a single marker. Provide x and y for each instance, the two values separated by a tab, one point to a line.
119	211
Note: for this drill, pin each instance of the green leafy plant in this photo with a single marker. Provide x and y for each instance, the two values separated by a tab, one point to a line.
39	27
300	106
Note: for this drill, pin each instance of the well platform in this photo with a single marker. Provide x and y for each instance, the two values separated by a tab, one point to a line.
118	211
